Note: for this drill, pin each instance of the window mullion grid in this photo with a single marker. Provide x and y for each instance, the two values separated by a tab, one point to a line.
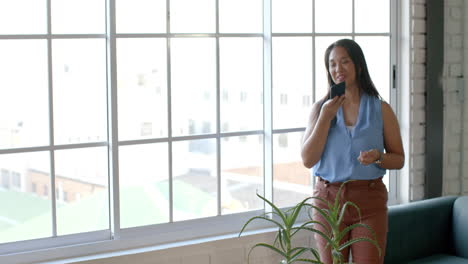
218	115
267	104
169	112
51	119
112	122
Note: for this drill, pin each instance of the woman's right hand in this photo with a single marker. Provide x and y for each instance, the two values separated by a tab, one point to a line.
331	106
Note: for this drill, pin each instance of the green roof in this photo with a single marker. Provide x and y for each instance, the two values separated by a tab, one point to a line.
27	216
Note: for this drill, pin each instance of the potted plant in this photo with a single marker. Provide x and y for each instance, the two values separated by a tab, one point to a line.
286	221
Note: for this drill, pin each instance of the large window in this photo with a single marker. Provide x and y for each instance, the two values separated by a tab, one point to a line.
156	115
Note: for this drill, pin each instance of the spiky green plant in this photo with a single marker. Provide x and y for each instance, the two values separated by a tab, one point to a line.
288	228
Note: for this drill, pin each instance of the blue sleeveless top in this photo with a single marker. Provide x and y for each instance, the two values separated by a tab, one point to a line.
339	158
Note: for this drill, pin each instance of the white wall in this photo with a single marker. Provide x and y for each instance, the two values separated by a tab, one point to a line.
225	251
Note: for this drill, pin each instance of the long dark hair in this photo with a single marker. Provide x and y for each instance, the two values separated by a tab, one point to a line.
363	78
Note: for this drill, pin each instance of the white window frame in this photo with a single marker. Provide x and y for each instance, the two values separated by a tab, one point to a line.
115	238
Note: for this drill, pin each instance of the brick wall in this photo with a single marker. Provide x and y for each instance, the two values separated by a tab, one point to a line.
455	116
417	140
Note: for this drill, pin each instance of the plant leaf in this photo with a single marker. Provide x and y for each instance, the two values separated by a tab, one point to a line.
351	227
262	218
296	211
361	239
297	229
308	260
326	237
345	205
269	247
275	208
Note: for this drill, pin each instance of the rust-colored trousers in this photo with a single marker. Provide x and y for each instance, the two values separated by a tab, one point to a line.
371	197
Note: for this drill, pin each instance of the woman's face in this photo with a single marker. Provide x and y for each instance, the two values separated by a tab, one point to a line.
341	67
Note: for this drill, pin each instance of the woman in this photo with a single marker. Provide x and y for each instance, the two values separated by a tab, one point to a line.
355	136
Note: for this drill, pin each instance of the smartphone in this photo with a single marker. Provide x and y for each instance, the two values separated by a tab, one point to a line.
337	90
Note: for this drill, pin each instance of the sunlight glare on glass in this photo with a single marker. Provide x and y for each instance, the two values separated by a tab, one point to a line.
140	16
291	16
240	16
372	16
292	81
377	53
144	184
23	17
79	70
189	16
241	175
193	76
23	101
333	16
78	16
241	72
142	88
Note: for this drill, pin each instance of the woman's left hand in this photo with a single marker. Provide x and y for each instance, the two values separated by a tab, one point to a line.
368	157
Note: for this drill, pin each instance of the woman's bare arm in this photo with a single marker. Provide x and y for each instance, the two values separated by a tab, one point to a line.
316	133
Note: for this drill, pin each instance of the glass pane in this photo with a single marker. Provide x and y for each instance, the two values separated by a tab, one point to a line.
291	16
372	16
321	82
81	181
188	16
23	93
144	188
78	16
333	16
193	77
241	175
25	208
23	17
79	70
142	88
140	16
292	81
292	182
251	12
377	53
241	84
195	180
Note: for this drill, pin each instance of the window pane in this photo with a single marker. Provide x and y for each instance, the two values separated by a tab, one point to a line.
144	174
249	10
142	88
241	84
23	93
79	70
81	190
291	16
321	82
140	16
292	81
241	175
193	77
333	16
372	16
291	180
195	179
377	53
188	16
23	17
67	16
25	208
